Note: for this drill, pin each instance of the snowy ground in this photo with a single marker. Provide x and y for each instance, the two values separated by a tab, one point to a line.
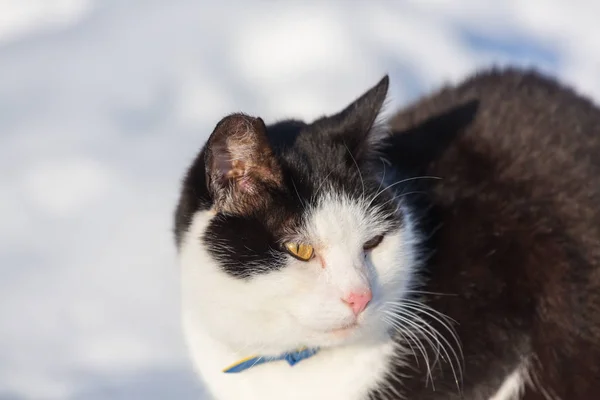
104	102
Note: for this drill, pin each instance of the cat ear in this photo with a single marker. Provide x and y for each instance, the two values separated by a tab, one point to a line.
355	125
239	163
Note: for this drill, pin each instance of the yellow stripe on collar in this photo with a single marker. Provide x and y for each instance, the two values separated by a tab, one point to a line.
242	361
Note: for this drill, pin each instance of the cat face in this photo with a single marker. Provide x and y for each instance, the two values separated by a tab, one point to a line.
289	235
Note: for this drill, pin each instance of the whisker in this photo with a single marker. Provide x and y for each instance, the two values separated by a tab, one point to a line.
420	308
419	329
399	182
416	303
322	182
298	194
402	195
405	306
400	331
382	178
437	336
417	342
431	293
420	325
358	169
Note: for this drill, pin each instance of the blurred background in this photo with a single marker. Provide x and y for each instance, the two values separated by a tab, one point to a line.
103	103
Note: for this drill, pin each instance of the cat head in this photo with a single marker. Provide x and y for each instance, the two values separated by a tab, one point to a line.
289	235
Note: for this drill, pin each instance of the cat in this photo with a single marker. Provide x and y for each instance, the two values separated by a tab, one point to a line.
449	252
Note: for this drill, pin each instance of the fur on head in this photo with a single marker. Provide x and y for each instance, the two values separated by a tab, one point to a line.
256	193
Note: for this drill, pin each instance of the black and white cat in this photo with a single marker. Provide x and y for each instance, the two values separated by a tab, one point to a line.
449	253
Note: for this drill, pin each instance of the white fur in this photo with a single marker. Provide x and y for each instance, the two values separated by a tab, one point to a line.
512	387
226	319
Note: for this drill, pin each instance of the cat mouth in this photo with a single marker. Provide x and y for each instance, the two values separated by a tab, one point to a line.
344	329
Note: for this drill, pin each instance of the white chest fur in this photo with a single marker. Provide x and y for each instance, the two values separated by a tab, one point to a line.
345	373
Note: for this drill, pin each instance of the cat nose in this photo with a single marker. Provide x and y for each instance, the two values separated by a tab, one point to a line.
358	300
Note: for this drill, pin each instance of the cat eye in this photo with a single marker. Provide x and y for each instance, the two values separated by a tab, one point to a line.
301	251
371	244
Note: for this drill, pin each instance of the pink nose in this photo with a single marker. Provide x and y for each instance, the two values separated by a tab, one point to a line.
358	300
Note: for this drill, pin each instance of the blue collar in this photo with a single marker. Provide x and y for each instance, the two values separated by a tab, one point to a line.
291	357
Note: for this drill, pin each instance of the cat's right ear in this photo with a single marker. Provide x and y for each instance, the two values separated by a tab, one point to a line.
239	163
355	125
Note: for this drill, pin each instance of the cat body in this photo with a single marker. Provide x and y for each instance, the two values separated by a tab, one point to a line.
451	253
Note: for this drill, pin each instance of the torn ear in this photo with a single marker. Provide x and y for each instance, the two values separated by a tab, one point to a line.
239	163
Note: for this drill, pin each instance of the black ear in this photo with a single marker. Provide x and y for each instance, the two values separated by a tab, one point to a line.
362	112
355	124
240	164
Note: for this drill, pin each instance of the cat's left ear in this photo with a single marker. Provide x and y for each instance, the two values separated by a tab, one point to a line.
356	124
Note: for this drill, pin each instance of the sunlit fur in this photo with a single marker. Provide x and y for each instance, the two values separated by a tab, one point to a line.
512	387
227	319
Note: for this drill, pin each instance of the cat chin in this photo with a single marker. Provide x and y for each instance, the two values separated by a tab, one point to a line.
356	335
352	336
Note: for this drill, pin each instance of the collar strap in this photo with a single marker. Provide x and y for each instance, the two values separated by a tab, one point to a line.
292	358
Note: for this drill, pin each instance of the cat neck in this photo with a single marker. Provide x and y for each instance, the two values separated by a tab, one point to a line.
347	372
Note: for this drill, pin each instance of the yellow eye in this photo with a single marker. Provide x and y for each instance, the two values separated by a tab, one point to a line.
301	251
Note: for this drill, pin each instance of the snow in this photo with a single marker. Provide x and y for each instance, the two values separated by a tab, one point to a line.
103	103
